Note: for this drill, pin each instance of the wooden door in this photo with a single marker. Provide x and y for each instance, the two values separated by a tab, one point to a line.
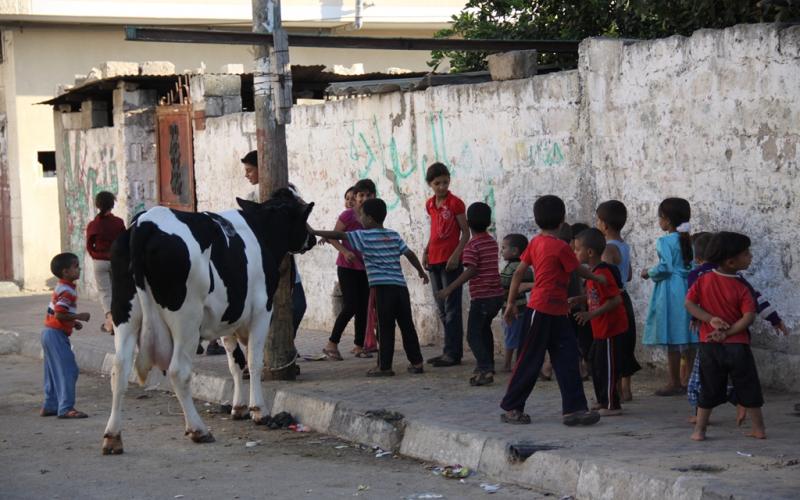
175	157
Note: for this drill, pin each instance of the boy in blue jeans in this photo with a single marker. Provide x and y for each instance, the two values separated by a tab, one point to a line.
551	331
381	249
513	246
60	368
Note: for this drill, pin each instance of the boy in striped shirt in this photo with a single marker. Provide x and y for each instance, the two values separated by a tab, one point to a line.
481	269
60	368
381	249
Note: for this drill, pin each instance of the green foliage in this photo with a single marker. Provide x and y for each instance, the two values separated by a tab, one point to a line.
575	20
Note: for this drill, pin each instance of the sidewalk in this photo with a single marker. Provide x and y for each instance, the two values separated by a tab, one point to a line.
645	453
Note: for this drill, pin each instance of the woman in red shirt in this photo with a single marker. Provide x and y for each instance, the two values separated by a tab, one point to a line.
100	234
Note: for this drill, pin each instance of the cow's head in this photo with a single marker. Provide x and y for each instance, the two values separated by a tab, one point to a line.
282	220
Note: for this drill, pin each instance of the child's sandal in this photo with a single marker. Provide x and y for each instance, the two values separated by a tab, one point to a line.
73	413
515	417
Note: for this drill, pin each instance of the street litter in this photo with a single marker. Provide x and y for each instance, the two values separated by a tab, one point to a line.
363	487
490	488
313	357
299	428
382	453
178	496
743	454
341	447
252	444
452	471
420	496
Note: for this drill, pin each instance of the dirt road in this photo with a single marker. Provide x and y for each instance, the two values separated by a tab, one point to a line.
52	458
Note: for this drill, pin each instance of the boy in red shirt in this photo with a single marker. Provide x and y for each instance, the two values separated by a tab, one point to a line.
100	234
726	309
551	330
485	291
60	368
608	318
442	259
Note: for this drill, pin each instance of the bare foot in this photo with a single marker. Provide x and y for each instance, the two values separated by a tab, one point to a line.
698	436
741	415
757	434
692	419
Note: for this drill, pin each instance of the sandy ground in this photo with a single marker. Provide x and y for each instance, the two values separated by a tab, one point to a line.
52	458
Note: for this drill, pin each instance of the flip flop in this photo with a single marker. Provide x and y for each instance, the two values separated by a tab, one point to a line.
581	418
377	372
363	354
332	354
73	413
515	417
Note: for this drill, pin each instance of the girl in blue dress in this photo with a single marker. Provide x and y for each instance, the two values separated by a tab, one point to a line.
667	322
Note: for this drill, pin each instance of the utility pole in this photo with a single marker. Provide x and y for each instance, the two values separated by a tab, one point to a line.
272	88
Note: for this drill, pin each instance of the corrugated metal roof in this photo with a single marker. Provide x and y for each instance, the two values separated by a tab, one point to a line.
406	84
304	78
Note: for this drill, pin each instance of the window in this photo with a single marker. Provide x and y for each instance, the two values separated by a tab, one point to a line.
47	159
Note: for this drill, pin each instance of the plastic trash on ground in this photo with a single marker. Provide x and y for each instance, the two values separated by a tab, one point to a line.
490	488
421	496
452	471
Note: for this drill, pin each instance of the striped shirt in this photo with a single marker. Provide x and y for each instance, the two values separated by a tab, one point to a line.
64	300
481	252
381	249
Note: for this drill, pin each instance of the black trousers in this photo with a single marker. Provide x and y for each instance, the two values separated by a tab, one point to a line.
393	305
355	299
551	334
627	363
605	371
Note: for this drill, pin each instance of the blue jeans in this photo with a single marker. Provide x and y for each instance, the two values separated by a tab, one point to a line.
479	331
449	309
60	371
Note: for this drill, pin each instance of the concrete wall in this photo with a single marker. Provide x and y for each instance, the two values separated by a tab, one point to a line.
713	118
38	58
119	159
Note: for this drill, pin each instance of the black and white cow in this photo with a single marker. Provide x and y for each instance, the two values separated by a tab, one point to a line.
178	277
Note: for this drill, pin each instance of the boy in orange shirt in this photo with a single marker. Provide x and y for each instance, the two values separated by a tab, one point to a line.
608	318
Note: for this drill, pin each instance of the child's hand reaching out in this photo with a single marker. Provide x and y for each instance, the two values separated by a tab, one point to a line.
583	317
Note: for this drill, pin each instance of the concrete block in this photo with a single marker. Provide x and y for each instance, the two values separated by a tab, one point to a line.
233	69
90	358
313	412
551	471
211	387
430	442
513	65
197	89
605	479
63	88
158	68
110	69
79	80
353	425
231	104
10	342
214	106
72	121
93	75
222	85
249	123
94	114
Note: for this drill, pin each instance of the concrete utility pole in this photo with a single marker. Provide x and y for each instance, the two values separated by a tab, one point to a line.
272	88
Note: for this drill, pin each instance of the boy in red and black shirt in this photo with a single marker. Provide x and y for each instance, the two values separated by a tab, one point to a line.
485	290
726	308
608	318
551	330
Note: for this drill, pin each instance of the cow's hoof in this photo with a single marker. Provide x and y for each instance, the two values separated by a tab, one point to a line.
240	413
199	437
263	420
112	444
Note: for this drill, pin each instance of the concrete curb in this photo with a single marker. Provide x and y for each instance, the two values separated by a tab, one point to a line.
553	471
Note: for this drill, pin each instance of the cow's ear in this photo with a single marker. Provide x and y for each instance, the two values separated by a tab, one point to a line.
247	205
307	210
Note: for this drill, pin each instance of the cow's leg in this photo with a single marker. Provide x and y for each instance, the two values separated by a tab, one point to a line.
236	364
255	360
180	374
124	344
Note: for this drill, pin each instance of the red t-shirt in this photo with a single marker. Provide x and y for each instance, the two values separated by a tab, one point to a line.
615	321
101	233
350	220
553	261
445	232
482	252
723	296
